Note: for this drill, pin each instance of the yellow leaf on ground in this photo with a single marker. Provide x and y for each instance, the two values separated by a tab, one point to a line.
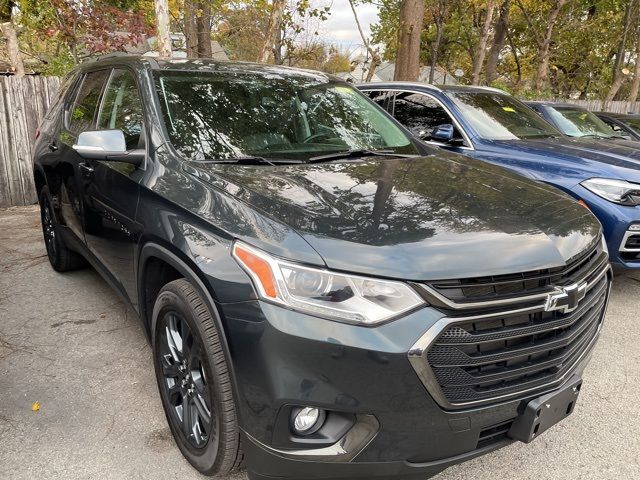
35	406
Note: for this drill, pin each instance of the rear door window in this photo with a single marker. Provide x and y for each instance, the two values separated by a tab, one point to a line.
83	112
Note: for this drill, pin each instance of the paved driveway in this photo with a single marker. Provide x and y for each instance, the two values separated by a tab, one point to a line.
67	342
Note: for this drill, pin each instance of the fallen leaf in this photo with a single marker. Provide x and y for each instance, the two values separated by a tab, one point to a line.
35	406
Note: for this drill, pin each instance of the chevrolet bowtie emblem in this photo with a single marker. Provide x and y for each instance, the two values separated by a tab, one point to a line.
566	299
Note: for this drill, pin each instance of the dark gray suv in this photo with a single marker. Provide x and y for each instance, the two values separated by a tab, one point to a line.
325	297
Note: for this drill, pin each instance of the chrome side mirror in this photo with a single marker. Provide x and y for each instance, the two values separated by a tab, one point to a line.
107	145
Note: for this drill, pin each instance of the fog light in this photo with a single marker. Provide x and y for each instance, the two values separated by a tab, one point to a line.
307	420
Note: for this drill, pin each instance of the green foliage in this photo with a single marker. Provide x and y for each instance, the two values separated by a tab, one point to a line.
585	38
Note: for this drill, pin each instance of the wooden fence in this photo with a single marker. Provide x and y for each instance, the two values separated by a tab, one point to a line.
23	103
597	106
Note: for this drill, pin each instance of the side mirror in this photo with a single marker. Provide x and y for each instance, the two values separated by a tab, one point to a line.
107	145
442	133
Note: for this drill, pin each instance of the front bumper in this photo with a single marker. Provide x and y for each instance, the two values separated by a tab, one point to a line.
616	222
264	464
283	358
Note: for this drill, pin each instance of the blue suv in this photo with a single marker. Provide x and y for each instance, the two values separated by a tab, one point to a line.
491	125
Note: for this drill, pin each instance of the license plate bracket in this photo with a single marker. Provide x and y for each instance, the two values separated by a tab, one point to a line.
542	413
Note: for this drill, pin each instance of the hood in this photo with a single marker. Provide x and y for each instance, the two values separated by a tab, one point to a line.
580	158
436	217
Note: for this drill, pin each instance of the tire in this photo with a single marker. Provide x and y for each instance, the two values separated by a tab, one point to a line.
192	370
62	258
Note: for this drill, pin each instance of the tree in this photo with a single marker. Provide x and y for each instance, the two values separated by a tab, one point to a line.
440	13
203	29
543	40
61	33
410	28
482	43
620	74
8	30
499	38
635	86
273	29
163	33
375	56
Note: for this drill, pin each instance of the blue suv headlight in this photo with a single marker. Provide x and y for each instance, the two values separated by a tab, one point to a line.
616	191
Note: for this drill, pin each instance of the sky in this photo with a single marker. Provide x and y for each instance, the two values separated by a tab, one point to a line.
340	28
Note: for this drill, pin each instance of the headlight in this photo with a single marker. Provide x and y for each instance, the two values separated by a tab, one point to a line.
617	191
346	298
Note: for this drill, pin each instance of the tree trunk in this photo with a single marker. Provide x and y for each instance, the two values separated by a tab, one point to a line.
203	25
375	57
617	67
499	38
163	32
544	48
615	86
408	55
275	20
635	86
482	44
190	29
516	59
435	49
620	74
13	49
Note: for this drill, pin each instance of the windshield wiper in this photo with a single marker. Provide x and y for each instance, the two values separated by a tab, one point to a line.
357	153
595	135
251	160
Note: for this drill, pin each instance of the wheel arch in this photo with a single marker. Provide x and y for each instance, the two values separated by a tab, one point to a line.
154	254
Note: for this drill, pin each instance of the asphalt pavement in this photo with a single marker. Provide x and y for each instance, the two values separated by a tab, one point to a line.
68	343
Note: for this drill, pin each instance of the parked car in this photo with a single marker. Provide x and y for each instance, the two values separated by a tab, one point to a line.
625	125
325	297
493	126
574	121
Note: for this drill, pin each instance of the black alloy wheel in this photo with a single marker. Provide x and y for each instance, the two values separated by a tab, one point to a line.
48	227
194	380
185	380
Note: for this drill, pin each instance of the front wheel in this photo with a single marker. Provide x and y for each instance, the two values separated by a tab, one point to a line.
194	381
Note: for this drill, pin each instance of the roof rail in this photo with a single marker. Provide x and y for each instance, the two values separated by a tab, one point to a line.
109	55
490	89
394	82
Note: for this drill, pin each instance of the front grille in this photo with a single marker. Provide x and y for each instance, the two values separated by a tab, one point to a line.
501	287
497	352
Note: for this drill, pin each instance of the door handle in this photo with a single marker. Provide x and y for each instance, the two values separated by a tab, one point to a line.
87	170
52	146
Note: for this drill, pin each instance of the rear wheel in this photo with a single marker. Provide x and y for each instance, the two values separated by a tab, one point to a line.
62	259
194	381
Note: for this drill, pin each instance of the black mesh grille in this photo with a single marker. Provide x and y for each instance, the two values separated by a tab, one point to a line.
506	354
498	287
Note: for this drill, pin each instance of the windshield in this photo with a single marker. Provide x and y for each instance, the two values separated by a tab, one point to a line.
633	122
497	116
576	122
218	116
